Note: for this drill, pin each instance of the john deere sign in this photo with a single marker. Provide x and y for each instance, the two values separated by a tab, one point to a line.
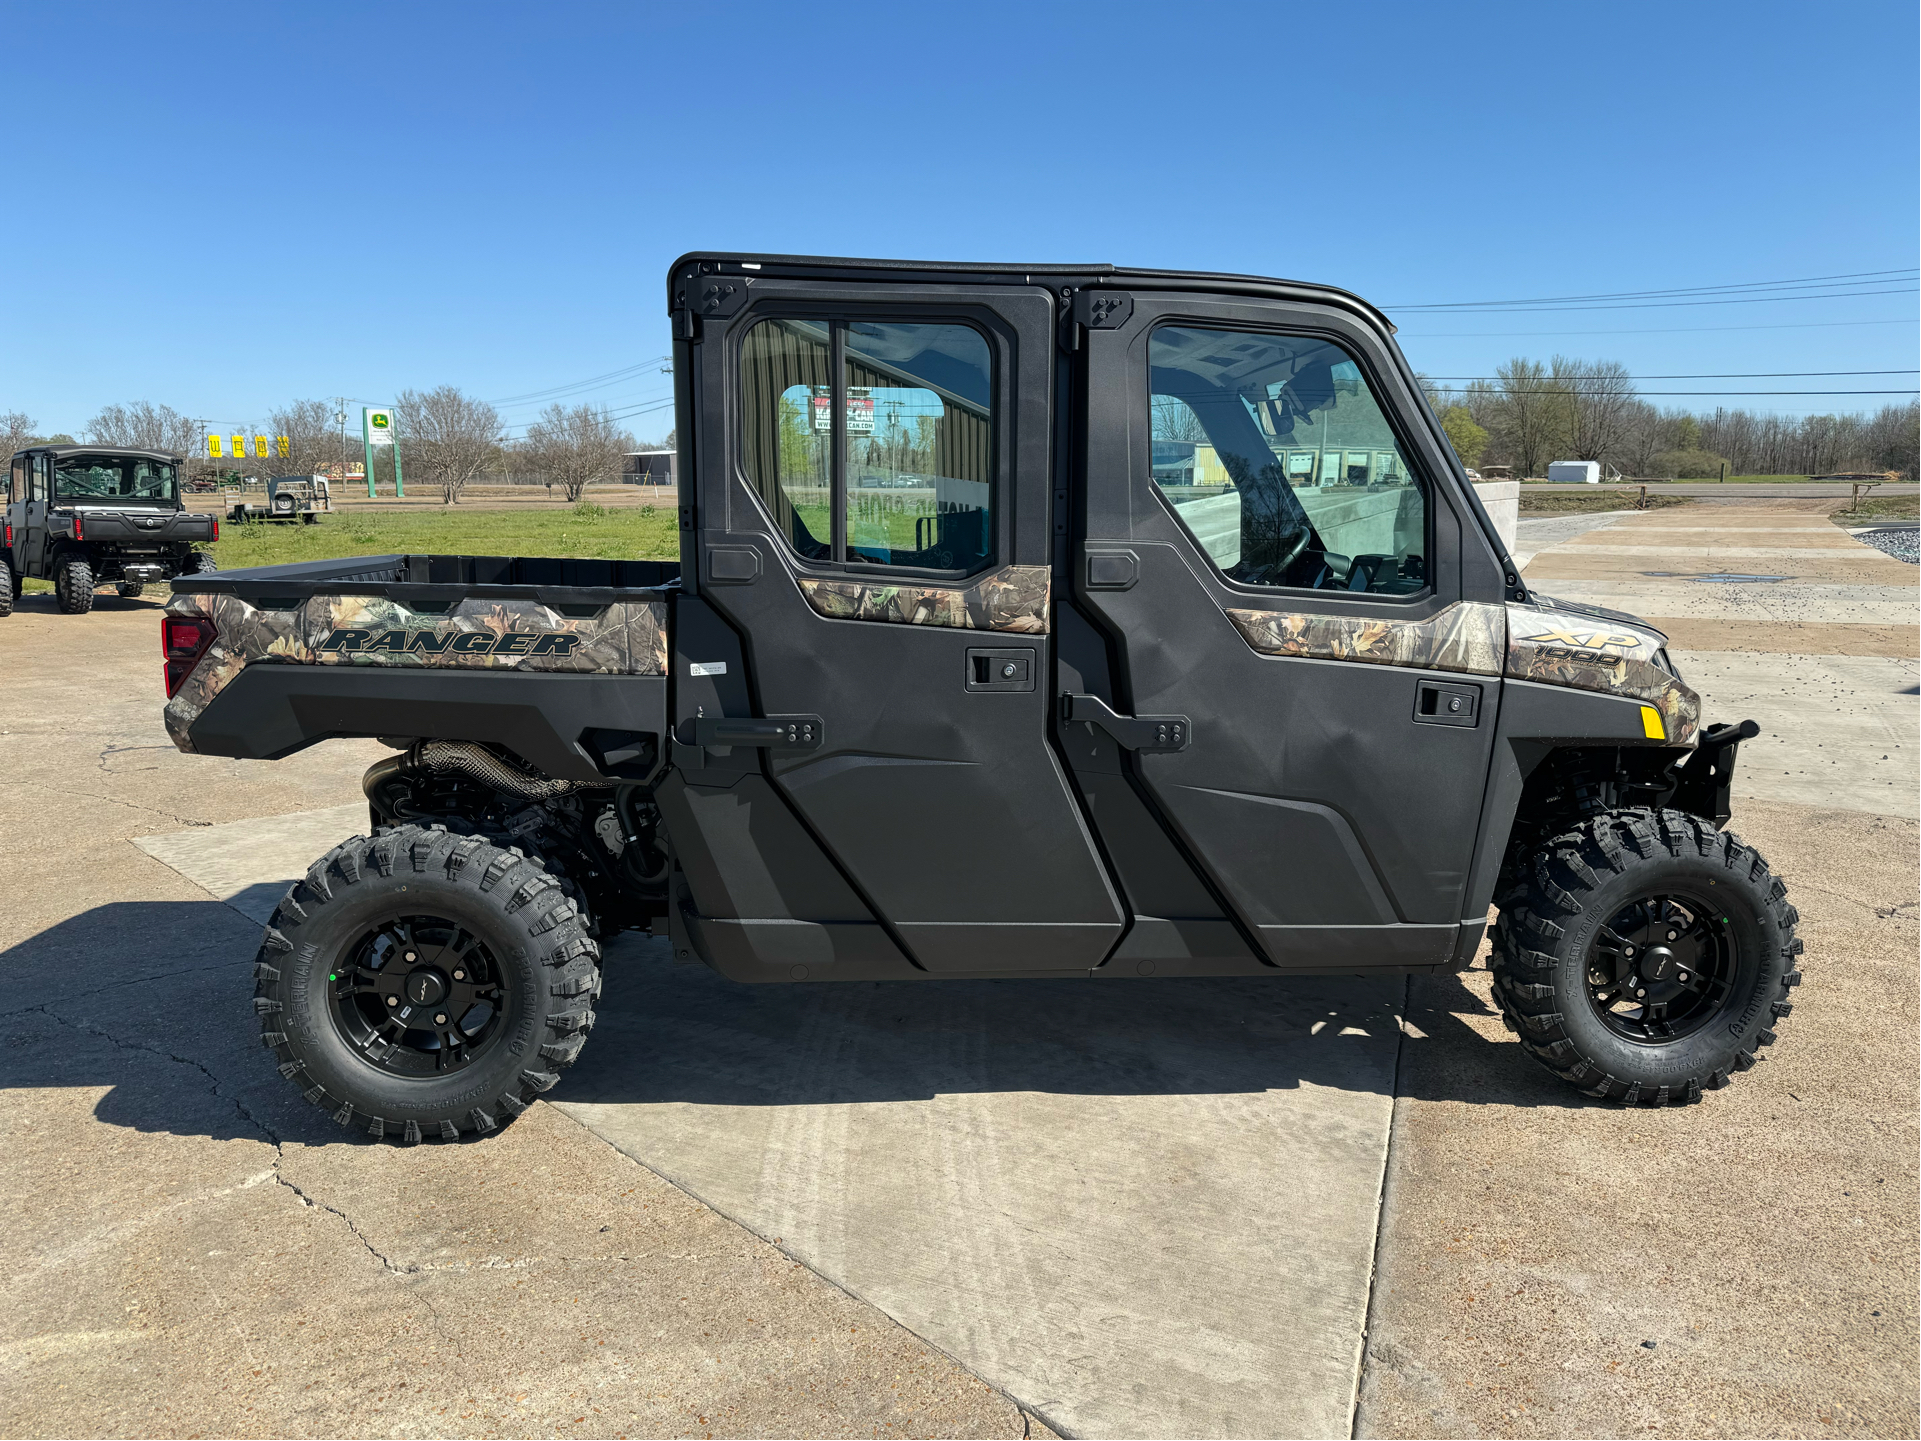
377	429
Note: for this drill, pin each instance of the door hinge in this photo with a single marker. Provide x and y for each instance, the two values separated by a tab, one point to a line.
1133	733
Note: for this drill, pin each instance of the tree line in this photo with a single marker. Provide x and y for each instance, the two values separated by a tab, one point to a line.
1568	409
448	440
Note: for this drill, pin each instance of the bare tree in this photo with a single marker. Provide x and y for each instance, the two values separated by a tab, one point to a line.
576	448
313	438
1533	414
446	437
1601	402
144	426
16	429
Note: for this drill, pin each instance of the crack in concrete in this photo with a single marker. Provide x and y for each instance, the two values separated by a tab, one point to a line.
121	985
215	1085
178	820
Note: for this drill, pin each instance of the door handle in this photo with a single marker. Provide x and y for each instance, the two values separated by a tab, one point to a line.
1133	733
784	732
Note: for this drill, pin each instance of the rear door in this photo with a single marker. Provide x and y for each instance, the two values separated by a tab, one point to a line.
1294	590
39	499
870	510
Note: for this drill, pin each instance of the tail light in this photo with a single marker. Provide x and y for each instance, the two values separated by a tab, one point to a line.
78	534
9	535
183	640
216	529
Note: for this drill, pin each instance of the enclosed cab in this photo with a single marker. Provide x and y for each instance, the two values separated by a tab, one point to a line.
83	516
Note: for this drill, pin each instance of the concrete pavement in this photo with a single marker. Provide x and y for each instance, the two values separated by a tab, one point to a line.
195	1251
1742	1267
1148	1210
1823	654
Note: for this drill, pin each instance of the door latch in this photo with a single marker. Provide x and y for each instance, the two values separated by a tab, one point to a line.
1447	705
1133	733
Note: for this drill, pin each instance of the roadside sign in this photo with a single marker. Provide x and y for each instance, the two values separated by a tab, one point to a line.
213	447
239	446
260	446
380	427
860	413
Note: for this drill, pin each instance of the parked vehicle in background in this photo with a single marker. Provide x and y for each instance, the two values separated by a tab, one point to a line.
83	516
289	498
1574	472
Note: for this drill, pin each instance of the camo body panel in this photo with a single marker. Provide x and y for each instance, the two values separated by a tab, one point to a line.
1582	653
1011	599
1522	642
625	638
1465	637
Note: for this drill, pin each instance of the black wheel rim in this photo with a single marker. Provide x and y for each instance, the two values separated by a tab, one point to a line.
419	996
1662	968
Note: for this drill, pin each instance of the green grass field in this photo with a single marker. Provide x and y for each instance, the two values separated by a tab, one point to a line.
1576	502
1879	507
587	532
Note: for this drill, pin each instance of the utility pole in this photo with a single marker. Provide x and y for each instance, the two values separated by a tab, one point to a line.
340	419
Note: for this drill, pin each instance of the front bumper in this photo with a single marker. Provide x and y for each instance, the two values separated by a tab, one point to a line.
1704	783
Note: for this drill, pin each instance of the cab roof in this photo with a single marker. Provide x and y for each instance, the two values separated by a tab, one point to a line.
1098	274
61	452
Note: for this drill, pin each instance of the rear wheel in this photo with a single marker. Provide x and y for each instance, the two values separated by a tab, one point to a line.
73	586
1645	956
9	588
421	983
203	563
130	589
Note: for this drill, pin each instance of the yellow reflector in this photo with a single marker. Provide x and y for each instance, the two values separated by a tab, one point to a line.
1651	723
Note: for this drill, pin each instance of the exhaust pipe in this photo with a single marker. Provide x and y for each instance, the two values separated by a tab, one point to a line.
475	763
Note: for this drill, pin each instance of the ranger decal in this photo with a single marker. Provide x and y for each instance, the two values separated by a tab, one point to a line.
458	642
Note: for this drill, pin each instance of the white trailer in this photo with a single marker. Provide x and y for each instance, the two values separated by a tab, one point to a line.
1574	472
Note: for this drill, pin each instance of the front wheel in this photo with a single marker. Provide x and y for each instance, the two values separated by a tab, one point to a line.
131	589
421	983
1644	956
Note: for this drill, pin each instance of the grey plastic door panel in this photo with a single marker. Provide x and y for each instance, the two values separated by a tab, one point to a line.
935	790
1336	819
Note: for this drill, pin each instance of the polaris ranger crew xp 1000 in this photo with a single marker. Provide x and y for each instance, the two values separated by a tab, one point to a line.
83	516
1050	621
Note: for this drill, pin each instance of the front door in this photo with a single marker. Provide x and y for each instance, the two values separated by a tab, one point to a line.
1297	595
872	511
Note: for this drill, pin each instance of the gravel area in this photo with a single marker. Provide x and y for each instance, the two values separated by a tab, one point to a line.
1901	544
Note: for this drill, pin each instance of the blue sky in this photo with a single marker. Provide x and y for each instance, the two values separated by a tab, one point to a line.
226	207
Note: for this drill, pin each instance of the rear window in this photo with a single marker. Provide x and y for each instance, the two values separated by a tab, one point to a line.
872	442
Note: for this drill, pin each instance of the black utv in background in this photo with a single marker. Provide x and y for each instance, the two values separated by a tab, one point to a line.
83	516
1028	622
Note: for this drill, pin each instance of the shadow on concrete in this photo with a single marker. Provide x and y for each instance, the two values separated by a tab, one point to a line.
153	1000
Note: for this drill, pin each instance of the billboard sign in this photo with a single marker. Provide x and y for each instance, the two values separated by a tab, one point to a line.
379	426
860	412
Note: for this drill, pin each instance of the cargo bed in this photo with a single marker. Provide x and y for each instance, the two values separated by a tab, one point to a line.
564	661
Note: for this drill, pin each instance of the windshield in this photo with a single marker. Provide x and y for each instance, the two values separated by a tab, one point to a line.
113	477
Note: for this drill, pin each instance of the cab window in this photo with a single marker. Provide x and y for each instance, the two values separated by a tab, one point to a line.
871	442
1274	453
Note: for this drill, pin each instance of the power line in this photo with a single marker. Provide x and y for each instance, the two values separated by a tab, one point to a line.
1734	375
1572	388
1843	283
1531	309
554	391
1667	330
